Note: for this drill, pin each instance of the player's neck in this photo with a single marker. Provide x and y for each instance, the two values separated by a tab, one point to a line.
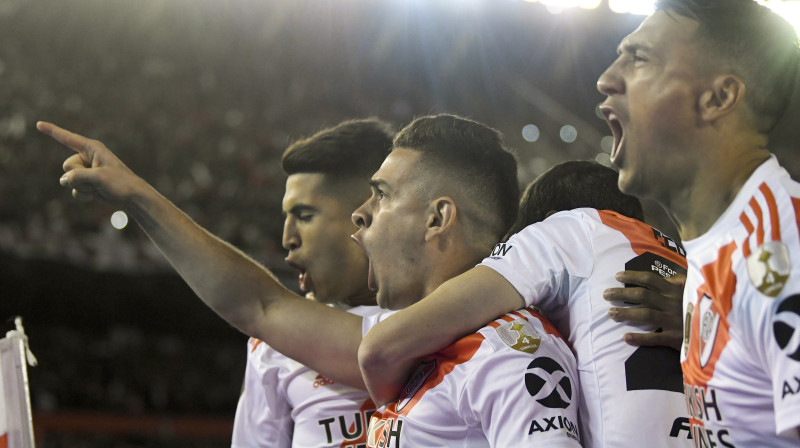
699	203
362	298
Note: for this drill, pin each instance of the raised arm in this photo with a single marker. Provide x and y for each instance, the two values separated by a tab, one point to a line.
460	306
235	286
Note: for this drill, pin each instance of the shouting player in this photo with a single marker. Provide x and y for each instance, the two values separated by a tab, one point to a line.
562	264
690	100
284	403
445	195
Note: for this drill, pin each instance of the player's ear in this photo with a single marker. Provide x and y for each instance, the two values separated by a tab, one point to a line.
722	97
441	216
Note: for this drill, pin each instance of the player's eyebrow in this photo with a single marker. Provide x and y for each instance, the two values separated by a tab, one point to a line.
378	184
299	208
631	46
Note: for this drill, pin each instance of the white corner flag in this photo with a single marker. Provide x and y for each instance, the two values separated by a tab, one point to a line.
16	424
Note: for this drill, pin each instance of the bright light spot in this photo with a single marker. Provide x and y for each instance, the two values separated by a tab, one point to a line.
568	133
557	6
119	220
640	7
607	143
789	10
530	133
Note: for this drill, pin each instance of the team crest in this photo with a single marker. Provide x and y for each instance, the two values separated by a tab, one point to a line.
424	370
768	268
520	335
709	324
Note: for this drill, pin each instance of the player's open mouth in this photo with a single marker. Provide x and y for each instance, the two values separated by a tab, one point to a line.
304	281
615	125
371	274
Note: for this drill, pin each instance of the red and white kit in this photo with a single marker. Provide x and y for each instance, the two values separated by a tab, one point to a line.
511	384
741	352
286	404
630	396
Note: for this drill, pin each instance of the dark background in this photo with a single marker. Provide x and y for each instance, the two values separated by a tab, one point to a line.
200	97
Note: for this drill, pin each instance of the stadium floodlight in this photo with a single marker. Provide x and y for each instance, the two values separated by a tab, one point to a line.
556	6
788	9
639	7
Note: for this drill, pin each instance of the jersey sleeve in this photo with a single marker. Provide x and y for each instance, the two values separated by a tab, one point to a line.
263	416
522	400
540	259
369	320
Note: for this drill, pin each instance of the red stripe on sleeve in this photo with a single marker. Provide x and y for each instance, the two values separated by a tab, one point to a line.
760	215
749	227
772	205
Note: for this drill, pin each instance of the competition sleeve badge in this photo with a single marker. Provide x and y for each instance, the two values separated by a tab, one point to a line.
519	335
768	267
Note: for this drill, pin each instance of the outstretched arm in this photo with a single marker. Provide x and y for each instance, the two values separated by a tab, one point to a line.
662	305
236	287
460	306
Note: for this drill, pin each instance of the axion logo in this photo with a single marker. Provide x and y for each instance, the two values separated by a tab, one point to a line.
548	383
500	250
787	327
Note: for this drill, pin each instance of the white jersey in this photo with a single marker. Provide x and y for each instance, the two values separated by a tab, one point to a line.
630	396
511	384
286	404
741	352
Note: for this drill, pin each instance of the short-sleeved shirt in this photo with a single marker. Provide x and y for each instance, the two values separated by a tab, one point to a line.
286	404
511	384
741	352
630	396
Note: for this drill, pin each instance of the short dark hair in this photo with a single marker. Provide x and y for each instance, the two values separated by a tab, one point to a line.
571	185
752	41
351	149
474	157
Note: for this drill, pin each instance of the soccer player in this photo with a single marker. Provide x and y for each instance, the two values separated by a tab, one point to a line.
690	100
442	198
284	403
562	264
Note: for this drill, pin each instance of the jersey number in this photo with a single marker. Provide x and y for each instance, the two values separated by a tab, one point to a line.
656	368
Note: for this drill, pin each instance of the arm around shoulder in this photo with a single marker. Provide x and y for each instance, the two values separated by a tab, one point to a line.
458	307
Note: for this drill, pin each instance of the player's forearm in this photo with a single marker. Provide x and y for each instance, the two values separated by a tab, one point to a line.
228	281
462	305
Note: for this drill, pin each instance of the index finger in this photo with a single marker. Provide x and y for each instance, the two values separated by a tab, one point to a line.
69	139
646	279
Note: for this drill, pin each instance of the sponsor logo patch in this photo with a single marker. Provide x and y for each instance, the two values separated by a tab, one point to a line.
548	383
520	335
786	327
768	268
500	250
321	381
